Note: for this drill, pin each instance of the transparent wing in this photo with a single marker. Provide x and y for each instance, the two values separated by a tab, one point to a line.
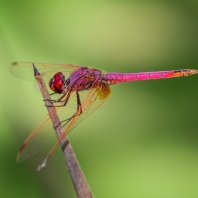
47	70
44	133
25	70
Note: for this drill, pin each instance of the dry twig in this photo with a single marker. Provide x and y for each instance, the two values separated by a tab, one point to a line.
77	176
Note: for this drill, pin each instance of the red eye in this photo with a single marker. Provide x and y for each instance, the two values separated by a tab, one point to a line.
57	83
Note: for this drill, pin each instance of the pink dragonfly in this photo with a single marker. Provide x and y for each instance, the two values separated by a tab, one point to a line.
80	91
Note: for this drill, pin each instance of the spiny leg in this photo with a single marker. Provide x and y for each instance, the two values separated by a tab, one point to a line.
52	94
60	100
79	108
53	101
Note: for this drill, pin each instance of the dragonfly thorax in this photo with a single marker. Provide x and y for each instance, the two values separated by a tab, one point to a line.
58	83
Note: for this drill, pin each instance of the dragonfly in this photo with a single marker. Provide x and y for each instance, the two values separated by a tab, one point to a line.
78	91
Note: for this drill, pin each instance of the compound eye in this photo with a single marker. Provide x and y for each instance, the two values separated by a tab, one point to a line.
57	83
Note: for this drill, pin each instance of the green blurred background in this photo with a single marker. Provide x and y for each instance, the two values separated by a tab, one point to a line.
143	143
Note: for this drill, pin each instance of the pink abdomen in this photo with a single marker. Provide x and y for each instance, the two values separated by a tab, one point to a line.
114	78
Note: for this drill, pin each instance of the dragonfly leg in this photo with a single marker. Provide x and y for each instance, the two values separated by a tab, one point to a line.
53	101
52	94
50	99
78	112
60	100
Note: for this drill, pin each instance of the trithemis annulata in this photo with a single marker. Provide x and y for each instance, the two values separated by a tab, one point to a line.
80	90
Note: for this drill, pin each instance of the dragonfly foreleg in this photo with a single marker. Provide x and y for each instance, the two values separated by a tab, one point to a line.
78	112
50	99
53	101
60	100
52	94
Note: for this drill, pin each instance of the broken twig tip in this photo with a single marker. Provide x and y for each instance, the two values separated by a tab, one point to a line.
36	73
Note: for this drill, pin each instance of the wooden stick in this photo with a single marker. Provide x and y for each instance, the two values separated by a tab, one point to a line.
81	187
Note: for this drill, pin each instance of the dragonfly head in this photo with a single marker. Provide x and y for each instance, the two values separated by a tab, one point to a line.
58	83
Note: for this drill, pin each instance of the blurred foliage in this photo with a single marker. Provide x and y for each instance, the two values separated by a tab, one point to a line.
143	143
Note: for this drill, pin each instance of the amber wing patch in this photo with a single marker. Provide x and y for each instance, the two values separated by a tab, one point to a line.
103	91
